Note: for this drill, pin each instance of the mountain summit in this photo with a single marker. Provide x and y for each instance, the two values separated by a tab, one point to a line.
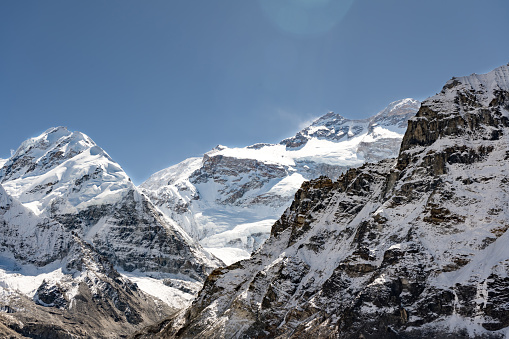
334	127
63	168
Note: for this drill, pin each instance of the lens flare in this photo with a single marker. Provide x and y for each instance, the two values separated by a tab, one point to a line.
306	17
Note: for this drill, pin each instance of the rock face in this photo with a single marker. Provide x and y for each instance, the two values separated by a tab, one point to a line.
70	220
55	285
407	248
20	229
229	199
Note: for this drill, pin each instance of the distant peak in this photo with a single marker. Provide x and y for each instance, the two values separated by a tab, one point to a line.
330	116
403	102
334	127
216	149
399	107
407	101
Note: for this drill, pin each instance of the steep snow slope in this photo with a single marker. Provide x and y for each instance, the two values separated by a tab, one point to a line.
229	199
410	248
27	237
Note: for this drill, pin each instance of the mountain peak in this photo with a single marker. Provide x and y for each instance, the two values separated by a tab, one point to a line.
468	102
55	137
56	129
62	165
334	127
400	107
330	116
396	114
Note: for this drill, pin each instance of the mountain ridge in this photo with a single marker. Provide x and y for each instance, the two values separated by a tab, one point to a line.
413	247
229	199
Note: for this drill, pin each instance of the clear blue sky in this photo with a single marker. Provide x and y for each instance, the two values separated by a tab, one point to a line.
155	82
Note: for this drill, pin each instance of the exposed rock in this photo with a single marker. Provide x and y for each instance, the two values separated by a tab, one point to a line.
410	248
91	300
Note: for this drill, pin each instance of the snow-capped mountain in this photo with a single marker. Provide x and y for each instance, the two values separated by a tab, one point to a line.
408	248
71	220
65	176
229	199
334	127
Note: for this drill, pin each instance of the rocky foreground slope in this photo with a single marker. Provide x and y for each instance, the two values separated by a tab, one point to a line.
70	221
407	248
229	199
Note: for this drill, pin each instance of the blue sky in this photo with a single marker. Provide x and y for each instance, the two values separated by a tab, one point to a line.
155	82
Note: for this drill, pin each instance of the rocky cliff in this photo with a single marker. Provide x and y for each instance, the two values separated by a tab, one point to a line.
406	248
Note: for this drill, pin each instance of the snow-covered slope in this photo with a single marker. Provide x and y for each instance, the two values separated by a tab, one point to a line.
411	248
69	213
26	236
229	199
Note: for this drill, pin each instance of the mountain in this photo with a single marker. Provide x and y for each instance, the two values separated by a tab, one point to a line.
229	198
65	176
334	127
408	248
77	232
54	285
